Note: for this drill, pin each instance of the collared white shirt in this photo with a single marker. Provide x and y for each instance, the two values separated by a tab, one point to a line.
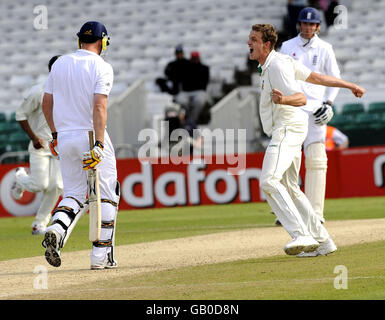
73	81
32	111
281	72
318	56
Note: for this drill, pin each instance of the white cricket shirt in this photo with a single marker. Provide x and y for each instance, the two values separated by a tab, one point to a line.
73	81
281	72
318	56
32	111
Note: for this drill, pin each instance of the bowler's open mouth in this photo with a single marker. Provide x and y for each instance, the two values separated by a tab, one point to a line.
251	50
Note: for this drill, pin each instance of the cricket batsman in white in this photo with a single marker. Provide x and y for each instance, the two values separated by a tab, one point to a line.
318	56
44	170
75	101
287	124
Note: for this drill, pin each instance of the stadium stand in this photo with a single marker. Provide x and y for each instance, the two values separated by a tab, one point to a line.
144	34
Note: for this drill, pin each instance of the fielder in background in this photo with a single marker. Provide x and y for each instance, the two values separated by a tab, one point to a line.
44	171
75	101
286	123
318	56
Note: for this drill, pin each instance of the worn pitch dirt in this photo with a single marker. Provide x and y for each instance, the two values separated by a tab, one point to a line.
19	278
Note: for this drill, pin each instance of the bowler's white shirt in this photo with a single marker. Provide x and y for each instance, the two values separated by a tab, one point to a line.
32	111
281	72
73	81
318	56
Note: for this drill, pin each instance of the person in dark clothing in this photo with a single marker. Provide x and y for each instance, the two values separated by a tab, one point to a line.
193	95
176	71
329	13
293	9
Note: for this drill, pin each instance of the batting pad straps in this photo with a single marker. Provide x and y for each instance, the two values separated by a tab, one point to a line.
109	201
105	201
77	201
108	224
106	243
68	211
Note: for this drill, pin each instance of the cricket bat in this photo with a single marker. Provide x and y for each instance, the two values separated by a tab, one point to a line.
94	198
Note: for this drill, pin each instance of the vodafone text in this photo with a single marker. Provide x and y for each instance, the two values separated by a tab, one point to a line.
187	185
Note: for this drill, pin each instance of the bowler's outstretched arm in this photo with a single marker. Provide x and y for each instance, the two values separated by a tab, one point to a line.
330	81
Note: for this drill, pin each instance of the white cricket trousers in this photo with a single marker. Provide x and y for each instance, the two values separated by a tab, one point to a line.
279	182
71	146
315	133
316	164
44	177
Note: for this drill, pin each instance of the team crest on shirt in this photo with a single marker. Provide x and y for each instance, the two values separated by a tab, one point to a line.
315	57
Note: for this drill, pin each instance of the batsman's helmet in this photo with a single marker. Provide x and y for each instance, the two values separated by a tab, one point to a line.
310	15
91	31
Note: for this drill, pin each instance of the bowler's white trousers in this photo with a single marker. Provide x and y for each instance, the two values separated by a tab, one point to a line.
279	182
44	177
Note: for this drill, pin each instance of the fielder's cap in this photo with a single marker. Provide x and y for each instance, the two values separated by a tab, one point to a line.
91	31
310	15
179	48
194	54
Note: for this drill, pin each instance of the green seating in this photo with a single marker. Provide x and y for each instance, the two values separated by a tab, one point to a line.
367	129
12	118
8	127
341	120
365	119
377	107
19	139
3	143
3	117
353	108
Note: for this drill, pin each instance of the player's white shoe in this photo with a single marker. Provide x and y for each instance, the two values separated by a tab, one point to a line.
299	244
107	263
52	244
324	249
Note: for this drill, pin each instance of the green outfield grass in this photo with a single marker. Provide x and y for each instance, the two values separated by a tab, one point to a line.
279	277
136	226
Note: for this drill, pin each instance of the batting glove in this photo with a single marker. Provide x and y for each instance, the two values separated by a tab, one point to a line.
323	114
94	156
53	145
